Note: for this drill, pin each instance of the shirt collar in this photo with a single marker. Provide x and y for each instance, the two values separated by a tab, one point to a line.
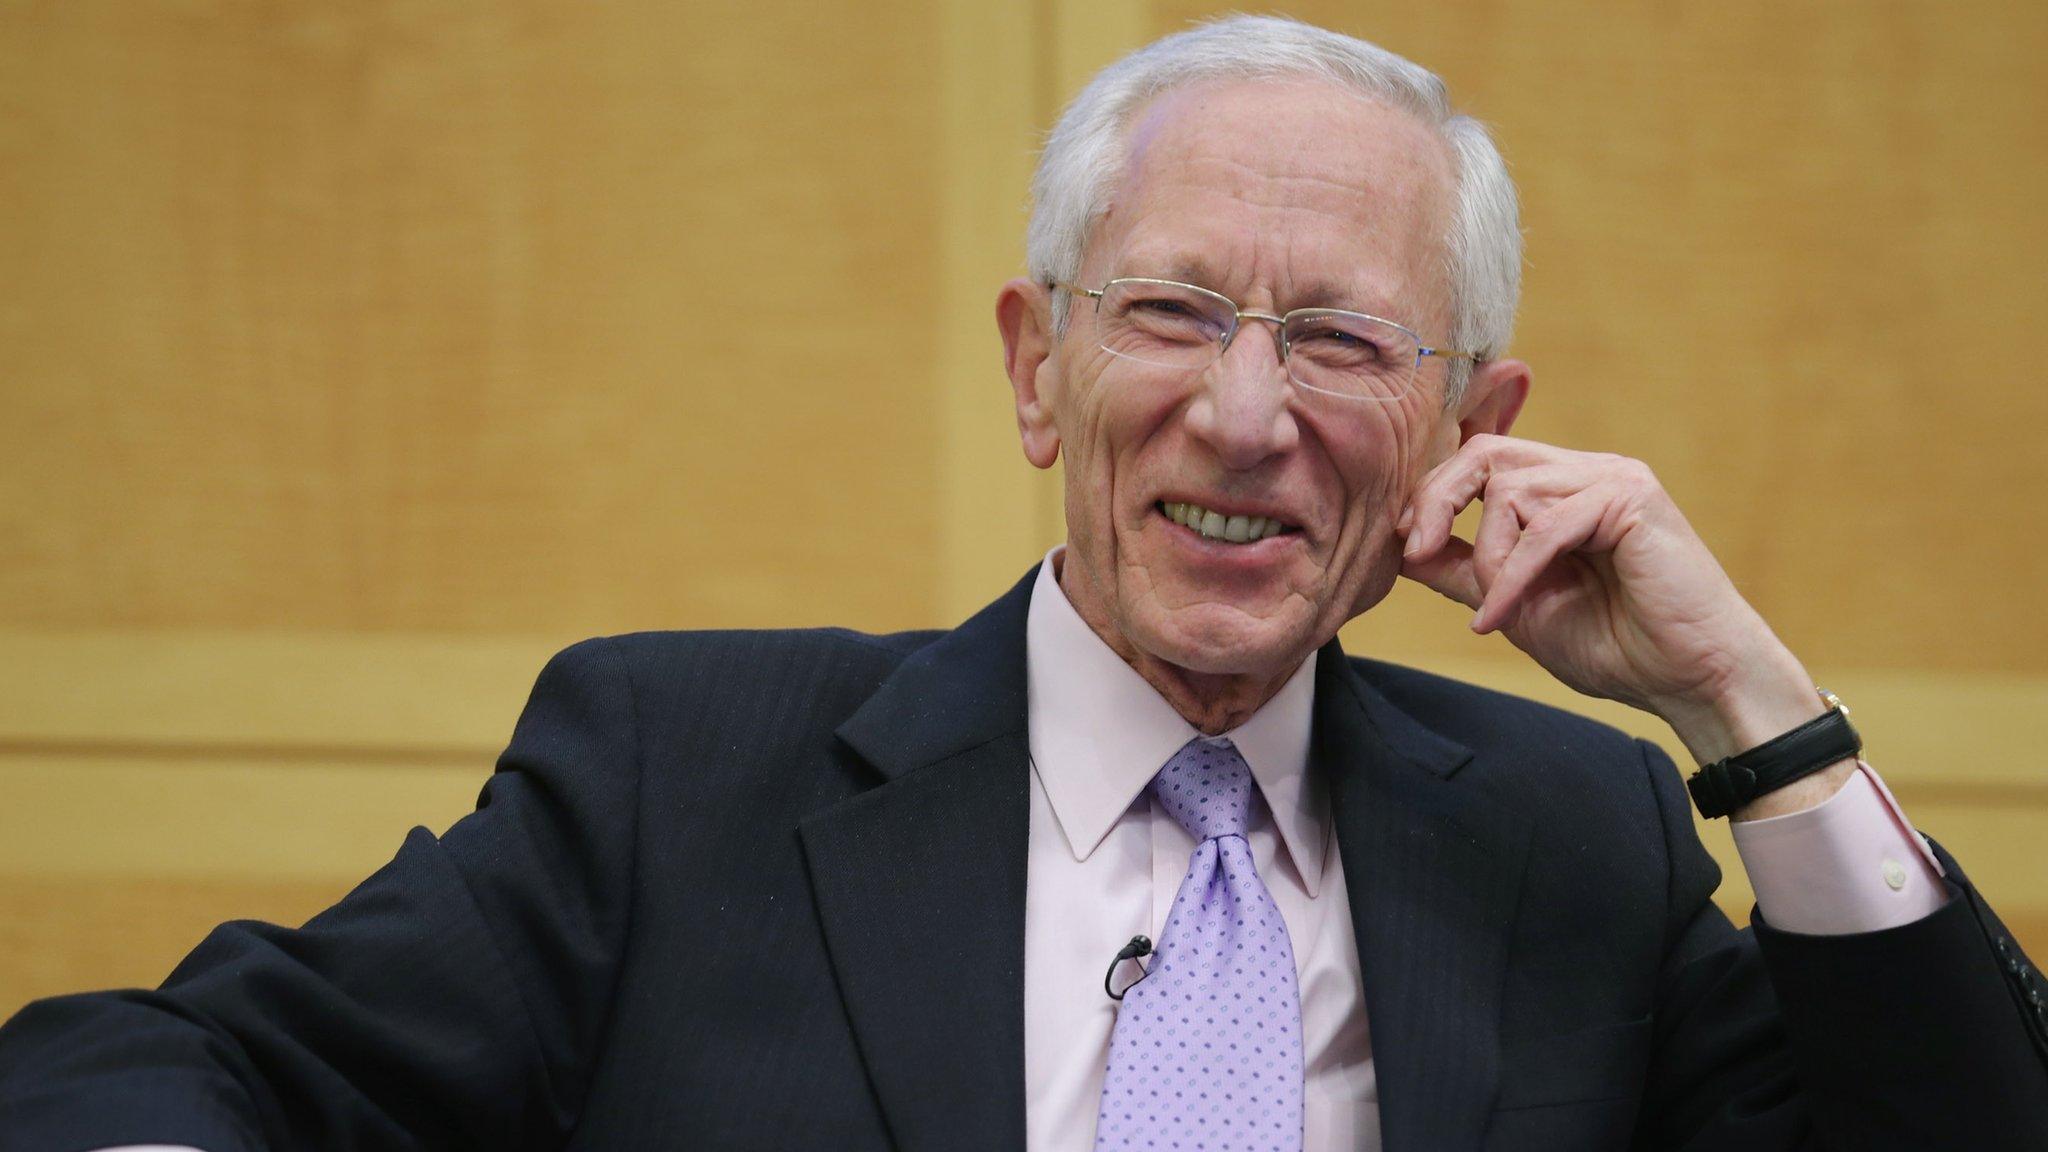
1099	733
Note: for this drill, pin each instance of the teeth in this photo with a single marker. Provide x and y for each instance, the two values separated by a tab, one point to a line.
1216	526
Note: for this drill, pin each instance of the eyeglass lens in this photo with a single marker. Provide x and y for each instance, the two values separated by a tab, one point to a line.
1183	327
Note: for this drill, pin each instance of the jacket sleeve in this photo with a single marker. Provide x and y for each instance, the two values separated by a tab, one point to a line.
452	999
1914	1037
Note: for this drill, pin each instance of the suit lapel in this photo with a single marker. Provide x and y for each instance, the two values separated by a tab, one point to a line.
919	885
1434	869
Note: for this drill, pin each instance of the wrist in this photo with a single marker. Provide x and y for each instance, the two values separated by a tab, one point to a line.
1797	769
1770	698
1798	796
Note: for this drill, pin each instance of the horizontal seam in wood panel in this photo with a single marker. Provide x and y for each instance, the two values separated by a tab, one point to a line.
46	748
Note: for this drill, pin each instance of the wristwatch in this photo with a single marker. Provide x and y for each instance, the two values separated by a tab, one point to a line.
1725	785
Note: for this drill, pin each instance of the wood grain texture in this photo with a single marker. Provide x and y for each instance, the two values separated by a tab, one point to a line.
136	817
485	318
995	512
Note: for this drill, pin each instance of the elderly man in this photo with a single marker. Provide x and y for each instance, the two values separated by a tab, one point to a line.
826	890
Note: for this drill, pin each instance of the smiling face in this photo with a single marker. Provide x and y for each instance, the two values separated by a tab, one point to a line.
1279	195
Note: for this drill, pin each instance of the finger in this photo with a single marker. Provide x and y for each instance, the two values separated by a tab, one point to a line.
1448	572
1514	499
1528	492
1563	527
1441	495
1500	525
1537	469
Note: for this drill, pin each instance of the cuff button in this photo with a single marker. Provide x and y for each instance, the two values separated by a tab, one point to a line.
1894	874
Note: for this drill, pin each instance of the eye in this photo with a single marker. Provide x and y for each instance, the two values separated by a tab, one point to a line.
1328	339
1162	306
1162	316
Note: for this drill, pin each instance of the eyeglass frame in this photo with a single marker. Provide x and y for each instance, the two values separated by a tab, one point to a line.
1238	315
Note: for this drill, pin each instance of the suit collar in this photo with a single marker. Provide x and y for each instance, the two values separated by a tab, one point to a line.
963	689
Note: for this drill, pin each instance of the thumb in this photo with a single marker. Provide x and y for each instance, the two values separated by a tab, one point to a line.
1448	571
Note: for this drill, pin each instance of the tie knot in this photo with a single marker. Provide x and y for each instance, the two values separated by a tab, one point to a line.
1207	788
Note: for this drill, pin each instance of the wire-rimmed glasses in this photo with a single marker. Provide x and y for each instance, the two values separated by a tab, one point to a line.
1167	324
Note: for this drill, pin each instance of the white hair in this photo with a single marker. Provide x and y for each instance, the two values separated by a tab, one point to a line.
1084	157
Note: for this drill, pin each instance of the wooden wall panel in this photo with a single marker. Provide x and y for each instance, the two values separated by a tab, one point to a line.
996	513
471	318
355	356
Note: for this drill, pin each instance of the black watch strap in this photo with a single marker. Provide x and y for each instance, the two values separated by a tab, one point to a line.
1725	785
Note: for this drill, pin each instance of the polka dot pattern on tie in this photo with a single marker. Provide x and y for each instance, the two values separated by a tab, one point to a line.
1206	1053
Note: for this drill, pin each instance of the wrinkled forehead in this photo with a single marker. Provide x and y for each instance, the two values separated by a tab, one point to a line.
1297	190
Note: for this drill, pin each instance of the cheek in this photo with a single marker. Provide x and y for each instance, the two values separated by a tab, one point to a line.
1080	411
1383	452
1382	455
1116	424
1415	434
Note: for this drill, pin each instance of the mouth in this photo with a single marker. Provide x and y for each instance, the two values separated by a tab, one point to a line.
1222	526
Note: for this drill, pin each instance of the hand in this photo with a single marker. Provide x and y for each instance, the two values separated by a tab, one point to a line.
1583	561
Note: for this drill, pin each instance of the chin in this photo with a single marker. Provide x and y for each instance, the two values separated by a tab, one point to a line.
1217	640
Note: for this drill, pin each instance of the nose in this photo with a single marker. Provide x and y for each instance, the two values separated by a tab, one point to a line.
1243	410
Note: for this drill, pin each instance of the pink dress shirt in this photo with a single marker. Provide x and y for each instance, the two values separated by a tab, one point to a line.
1104	865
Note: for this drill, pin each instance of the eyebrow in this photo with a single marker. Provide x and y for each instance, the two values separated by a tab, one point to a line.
1314	294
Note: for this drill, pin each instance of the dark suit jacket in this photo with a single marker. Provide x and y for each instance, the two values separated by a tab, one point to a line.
766	891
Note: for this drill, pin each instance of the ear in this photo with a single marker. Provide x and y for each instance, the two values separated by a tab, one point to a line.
1024	314
1493	398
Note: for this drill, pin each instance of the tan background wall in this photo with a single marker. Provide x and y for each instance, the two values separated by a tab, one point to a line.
354	356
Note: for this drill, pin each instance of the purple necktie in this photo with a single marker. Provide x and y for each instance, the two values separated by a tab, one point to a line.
1206	1052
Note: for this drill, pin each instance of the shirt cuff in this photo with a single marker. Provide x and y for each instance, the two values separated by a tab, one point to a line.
1849	864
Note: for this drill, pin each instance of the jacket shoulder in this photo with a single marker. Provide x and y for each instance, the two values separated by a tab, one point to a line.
1574	775
1486	719
659	648
746	685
